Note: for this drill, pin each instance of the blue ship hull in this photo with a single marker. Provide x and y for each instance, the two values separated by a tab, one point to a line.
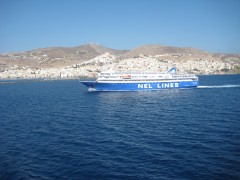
137	86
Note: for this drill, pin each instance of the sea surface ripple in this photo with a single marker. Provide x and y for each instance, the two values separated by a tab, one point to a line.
58	130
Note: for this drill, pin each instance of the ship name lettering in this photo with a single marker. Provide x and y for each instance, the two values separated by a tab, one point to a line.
144	86
159	86
167	85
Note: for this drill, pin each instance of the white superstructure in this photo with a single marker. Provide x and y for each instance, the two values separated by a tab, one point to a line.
111	76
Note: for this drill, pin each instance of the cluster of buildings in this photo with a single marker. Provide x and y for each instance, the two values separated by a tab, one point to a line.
107	61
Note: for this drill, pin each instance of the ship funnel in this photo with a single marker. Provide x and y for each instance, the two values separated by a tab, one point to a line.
172	70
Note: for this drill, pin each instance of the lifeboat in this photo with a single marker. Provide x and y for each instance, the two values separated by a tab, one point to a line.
126	76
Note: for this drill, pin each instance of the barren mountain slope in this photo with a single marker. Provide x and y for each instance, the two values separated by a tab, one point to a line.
56	56
153	50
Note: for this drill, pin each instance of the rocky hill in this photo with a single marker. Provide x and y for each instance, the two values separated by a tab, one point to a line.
89	59
152	50
55	56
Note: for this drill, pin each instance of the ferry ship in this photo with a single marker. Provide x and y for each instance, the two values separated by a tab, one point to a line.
138	81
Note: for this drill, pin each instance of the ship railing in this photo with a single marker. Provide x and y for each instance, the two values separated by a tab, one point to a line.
132	73
148	80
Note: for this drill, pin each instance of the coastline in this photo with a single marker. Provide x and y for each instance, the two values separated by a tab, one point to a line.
11	80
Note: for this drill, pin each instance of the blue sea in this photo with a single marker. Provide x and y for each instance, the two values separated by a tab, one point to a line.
58	130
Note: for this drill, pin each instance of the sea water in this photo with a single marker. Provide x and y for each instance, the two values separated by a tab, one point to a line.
58	130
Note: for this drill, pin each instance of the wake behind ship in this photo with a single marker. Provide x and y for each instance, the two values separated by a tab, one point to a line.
138	81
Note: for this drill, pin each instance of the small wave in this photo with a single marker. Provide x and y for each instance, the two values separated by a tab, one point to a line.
7	82
220	86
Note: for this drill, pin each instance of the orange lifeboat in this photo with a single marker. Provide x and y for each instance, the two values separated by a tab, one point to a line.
126	76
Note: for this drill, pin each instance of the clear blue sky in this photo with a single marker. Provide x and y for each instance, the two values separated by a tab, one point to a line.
211	25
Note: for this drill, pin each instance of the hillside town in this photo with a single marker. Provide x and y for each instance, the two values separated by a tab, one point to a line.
200	63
